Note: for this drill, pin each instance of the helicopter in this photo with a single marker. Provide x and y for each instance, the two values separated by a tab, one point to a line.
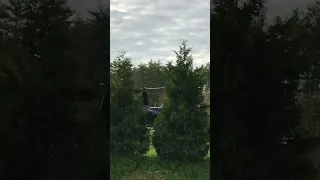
152	111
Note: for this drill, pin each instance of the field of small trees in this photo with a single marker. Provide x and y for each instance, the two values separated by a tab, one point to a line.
178	147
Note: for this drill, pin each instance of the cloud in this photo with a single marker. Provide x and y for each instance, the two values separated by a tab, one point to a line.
153	29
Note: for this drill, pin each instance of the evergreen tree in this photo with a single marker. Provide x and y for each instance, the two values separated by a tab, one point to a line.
181	129
256	73
99	24
46	84
92	72
206	73
128	132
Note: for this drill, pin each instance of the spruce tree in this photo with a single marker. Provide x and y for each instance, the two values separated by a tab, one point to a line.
256	73
128	132
181	129
42	55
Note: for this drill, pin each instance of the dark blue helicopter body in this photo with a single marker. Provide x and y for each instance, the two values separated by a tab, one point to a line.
151	112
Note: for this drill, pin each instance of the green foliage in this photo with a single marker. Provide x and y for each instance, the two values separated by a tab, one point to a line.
97	65
42	75
256	74
152	74
99	61
181	127
129	134
150	166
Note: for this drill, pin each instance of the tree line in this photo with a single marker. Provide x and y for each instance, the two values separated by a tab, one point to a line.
154	74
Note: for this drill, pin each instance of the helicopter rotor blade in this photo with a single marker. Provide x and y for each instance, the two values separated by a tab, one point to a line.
156	88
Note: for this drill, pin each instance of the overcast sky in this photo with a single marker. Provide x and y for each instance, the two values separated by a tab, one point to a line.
152	29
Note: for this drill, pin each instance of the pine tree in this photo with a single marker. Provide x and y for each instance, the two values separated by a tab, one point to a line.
99	24
181	129
49	135
128	132
255	76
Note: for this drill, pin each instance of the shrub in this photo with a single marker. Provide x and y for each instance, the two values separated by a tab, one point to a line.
128	132
181	129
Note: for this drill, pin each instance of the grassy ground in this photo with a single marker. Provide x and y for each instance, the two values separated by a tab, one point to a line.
149	167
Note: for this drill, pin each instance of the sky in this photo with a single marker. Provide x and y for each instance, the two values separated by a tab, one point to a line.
152	29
